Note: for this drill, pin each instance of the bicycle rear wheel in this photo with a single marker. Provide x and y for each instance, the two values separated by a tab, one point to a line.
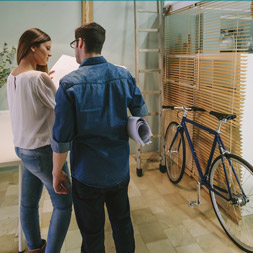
236	216
174	157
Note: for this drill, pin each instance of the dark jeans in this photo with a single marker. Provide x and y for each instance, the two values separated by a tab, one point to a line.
90	214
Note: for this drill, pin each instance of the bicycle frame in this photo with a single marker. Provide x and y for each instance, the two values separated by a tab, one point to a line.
217	140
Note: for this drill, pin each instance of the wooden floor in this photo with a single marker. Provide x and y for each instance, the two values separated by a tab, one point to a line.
162	220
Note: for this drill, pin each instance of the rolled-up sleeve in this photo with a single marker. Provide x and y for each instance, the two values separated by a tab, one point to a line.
64	125
137	105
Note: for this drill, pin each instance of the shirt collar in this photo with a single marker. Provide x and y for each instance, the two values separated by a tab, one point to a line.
93	61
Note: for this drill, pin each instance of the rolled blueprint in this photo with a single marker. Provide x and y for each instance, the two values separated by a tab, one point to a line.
139	130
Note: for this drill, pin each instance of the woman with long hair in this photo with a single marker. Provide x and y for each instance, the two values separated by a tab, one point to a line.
31	99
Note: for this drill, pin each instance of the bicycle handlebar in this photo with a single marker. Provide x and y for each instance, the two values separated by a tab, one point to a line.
168	107
192	108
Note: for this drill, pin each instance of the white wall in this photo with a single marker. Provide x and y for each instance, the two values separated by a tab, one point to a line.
176	5
57	18
247	122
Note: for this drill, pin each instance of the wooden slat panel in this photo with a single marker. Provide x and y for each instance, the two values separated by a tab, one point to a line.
202	69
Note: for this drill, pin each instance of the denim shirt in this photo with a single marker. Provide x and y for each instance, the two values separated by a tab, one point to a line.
91	118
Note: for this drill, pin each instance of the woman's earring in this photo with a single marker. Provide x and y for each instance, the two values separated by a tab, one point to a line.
33	50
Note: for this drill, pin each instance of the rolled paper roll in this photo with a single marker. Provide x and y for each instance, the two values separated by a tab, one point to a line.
139	130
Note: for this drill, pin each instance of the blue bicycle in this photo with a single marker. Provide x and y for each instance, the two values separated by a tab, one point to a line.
229	178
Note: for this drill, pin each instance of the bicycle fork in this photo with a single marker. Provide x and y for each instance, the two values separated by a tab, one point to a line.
197	202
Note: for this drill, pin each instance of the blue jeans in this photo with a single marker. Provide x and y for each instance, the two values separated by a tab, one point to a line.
37	171
90	214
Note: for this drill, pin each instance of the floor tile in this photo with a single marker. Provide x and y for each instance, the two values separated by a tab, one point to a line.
151	232
10	200
109	242
7	244
73	251
2	197
138	203
144	215
150	194
73	224
196	227
45	219
163	246
159	205
168	219
12	190
47	206
179	236
140	246
133	190
4	185
8	212
165	186
210	243
175	199
8	226
192	248
73	240
44	232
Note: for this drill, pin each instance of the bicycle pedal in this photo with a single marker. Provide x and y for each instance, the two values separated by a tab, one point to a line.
194	203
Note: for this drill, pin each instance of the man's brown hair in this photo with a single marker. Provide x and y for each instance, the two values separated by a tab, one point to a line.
94	36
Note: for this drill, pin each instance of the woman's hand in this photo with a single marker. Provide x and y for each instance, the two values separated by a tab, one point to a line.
50	73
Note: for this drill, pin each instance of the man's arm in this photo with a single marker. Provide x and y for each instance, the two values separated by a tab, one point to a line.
60	178
137	105
63	132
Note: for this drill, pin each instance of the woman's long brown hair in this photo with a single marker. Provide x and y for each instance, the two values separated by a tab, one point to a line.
31	37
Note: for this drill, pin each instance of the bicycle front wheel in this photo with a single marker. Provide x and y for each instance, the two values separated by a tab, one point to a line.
175	154
236	215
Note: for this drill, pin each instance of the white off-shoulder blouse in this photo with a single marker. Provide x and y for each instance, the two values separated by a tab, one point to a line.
31	99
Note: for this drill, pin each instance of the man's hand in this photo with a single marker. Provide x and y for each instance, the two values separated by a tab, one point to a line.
60	180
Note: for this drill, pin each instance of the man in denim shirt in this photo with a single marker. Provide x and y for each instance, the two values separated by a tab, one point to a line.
90	120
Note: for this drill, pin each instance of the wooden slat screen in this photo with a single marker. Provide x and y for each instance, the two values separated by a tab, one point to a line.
205	59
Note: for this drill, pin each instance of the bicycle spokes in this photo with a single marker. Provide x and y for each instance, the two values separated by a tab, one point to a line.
175	146
174	153
235	215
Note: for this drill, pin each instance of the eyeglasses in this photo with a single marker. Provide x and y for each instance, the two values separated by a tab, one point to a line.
72	44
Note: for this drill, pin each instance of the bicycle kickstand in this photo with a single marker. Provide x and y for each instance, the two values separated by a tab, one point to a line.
195	203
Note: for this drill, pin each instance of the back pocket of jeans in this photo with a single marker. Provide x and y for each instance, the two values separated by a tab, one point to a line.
32	163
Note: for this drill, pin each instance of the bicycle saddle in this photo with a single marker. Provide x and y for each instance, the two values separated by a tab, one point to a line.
221	116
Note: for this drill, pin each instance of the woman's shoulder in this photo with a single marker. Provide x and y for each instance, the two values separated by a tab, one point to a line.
29	75
36	76
44	80
34	73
